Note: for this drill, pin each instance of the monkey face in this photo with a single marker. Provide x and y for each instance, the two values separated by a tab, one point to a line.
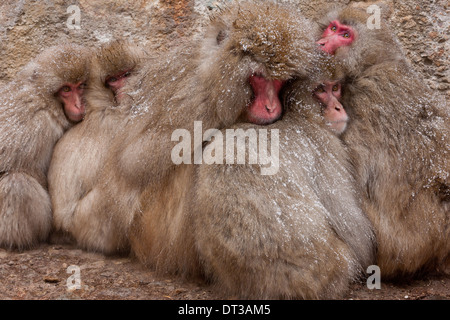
265	107
117	82
329	95
71	95
259	49
336	35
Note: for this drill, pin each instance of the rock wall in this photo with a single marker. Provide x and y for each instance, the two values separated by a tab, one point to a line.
29	26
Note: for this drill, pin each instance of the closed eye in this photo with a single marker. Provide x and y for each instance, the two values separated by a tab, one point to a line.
113	79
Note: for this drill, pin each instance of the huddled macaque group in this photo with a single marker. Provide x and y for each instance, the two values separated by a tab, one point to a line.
361	145
398	141
85	148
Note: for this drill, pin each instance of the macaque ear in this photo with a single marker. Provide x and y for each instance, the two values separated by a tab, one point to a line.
213	40
34	76
30	72
223	34
216	34
218	29
222	30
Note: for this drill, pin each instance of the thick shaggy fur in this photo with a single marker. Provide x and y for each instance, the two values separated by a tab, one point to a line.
297	234
206	81
291	235
79	156
399	145
31	122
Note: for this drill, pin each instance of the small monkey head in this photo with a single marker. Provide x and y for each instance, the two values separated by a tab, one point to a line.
346	34
257	47
336	35
329	95
114	63
317	101
61	73
112	66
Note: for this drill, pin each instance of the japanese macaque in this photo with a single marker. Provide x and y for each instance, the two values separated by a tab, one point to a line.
240	63
85	147
329	95
298	233
36	108
398	139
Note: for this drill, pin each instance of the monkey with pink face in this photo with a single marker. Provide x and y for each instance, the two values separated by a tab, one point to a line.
36	108
399	142
329	94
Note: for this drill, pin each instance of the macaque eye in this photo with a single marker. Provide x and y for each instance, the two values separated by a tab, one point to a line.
346	35
335	87
83	85
127	74
112	79
320	90
65	89
333	28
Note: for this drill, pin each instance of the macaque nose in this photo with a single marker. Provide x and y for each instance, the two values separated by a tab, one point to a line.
270	108
78	102
323	41
337	105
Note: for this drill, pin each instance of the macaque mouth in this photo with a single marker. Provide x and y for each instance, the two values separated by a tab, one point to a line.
337	126
330	123
77	117
336	119
265	107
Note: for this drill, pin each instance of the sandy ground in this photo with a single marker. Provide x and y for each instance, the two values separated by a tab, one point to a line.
42	274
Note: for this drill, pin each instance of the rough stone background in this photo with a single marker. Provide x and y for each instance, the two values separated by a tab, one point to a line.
29	26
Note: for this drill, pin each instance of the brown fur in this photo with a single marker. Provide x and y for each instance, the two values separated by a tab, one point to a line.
79	156
32	120
399	145
297	234
222	220
206	82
